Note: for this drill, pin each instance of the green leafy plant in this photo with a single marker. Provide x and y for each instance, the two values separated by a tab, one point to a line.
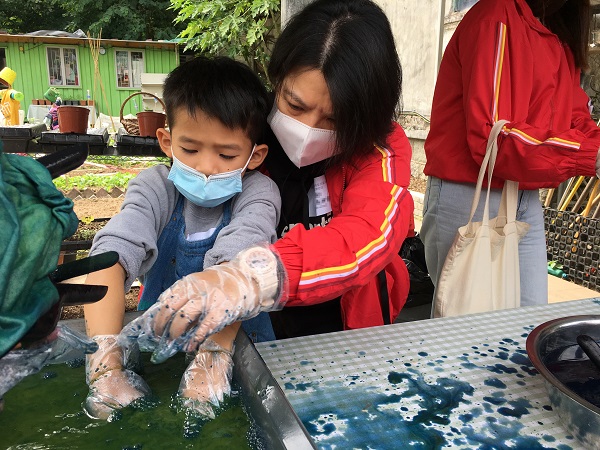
243	29
108	182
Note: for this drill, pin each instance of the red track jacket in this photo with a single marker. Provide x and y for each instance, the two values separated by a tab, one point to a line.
502	63
372	213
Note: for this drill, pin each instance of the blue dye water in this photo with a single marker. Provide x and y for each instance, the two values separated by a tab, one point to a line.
44	412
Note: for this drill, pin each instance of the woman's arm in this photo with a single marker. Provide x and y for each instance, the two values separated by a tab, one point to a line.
376	211
500	71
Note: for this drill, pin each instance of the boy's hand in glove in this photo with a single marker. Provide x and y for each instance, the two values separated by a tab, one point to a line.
112	385
207	380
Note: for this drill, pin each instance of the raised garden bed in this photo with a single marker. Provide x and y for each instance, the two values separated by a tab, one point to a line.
83	237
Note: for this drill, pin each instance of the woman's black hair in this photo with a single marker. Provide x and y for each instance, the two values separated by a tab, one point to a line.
221	88
570	21
351	43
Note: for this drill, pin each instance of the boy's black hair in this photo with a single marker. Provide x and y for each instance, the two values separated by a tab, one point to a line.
221	88
351	43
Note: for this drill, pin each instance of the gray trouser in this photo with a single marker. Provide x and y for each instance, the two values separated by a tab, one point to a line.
446	207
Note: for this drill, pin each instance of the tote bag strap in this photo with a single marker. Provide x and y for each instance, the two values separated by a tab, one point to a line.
508	202
488	163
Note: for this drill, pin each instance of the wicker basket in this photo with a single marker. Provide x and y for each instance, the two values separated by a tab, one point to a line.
131	125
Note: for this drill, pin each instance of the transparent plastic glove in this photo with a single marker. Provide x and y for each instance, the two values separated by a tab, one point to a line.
204	303
207	380
20	363
112	384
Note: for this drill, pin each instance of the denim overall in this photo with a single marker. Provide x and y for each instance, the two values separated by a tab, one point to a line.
178	257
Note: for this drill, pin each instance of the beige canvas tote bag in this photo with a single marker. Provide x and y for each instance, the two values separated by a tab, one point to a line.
481	270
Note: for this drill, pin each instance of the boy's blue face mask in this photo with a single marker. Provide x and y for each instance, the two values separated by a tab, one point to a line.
206	191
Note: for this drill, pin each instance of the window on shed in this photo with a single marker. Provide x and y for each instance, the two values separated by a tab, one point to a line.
130	66
63	69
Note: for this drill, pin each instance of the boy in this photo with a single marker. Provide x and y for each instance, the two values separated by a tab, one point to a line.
201	212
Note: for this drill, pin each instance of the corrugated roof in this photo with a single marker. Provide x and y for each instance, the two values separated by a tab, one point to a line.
57	33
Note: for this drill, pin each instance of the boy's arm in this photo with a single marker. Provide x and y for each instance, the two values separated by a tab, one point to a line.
227	335
106	316
255	214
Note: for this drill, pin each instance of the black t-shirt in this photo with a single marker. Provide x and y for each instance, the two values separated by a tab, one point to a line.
295	186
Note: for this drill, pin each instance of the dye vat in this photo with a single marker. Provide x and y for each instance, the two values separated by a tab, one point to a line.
44	411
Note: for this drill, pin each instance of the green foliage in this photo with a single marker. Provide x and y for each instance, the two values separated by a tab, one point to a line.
24	16
127	162
242	29
123	19
81	182
118	19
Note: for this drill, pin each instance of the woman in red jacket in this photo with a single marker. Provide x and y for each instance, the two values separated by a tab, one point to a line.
342	166
515	60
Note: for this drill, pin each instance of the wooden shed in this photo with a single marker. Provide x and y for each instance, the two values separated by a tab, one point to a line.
66	62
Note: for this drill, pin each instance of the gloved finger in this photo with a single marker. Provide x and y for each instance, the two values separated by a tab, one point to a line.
114	390
168	347
215	306
190	341
211	324
140	331
190	314
190	287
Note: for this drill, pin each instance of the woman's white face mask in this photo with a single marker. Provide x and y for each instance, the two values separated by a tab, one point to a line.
304	145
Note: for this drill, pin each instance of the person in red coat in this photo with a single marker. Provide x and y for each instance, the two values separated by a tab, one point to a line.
521	61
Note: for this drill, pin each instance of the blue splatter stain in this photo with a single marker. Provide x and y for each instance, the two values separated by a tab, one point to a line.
422	353
501	368
518	408
520	359
495	382
363	417
502	434
273	345
306	363
361	353
502	355
396	378
297	387
495	399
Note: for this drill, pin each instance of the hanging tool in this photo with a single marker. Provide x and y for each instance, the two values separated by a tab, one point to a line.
584	194
570	193
549	196
593	195
566	192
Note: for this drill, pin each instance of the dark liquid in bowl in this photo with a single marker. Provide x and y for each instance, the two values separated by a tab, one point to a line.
573	369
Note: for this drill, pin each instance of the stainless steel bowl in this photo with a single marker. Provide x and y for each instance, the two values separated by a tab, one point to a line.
552	348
